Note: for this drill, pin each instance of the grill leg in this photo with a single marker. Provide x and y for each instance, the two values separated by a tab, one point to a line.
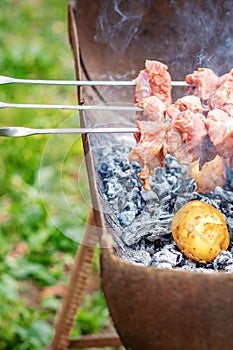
83	262
75	289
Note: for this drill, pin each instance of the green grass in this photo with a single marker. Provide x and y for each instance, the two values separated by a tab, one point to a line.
44	196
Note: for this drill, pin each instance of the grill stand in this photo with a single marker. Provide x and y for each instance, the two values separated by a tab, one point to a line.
84	257
73	298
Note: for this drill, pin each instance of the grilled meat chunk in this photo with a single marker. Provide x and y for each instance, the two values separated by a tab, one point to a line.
154	80
150	150
187	129
190	102
212	174
220	130
202	83
222	97
153	109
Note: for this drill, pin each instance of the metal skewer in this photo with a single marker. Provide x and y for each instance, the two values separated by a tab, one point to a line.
9	80
22	132
71	107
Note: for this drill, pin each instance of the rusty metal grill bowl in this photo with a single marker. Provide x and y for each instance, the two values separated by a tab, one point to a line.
151	308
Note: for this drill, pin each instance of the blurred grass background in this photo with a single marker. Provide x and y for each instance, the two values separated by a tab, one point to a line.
44	197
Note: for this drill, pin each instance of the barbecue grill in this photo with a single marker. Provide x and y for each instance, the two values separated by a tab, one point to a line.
150	308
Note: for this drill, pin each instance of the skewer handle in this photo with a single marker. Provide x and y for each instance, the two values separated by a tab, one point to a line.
9	80
71	107
22	132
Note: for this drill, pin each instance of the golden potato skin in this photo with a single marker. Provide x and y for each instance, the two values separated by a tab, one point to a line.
200	231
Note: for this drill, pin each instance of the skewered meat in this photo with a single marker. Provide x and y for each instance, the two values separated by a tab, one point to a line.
193	103
212	174
186	130
153	93
154	80
222	97
220	130
153	109
150	151
193	135
202	83
186	147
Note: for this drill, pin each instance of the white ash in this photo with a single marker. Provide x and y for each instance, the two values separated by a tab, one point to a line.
141	220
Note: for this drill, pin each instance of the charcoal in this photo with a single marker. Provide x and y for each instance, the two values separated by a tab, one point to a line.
139	257
156	233
160	190
230	226
195	269
104	170
229	179
229	268
137	199
223	194
162	265
140	220
131	184
152	246
188	266
112	188
223	260
139	230
128	215
124	164
168	257
149	196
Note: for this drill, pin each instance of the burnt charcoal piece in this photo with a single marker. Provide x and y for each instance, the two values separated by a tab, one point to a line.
139	257
223	260
128	215
124	165
168	257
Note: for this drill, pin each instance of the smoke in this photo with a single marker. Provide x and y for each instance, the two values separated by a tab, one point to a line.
183	34
203	34
118	22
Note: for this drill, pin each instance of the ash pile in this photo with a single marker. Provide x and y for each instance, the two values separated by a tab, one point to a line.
140	220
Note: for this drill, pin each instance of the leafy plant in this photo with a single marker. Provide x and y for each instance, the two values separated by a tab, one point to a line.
40	179
92	315
21	327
